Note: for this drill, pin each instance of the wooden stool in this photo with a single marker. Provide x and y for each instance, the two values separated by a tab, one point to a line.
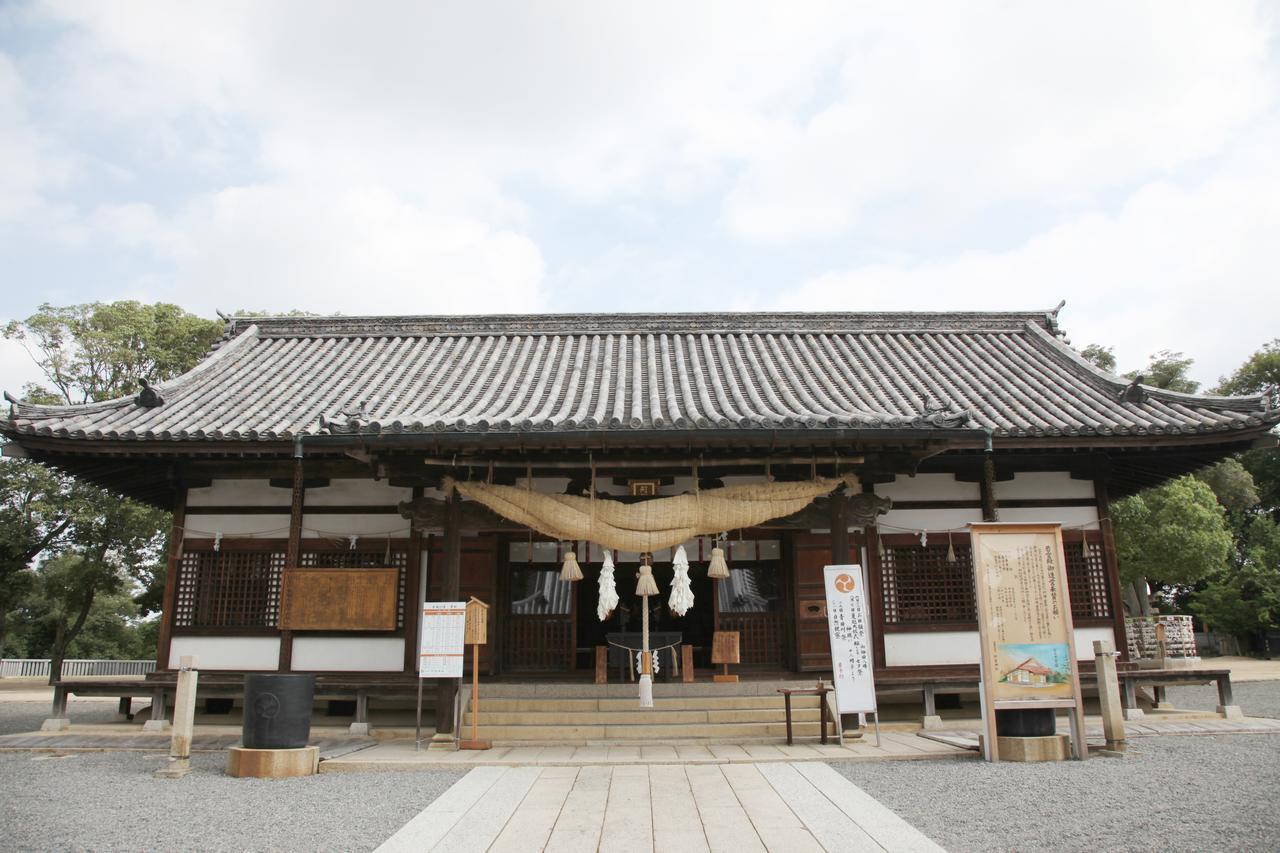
724	651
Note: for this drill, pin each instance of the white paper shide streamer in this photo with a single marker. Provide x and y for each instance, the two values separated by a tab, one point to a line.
608	588
681	598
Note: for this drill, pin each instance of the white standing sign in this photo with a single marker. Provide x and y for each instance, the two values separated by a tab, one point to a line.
849	626
440	652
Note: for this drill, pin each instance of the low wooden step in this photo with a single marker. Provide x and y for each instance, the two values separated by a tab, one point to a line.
581	734
635	716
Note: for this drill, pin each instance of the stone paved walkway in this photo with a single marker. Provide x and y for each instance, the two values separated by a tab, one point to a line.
739	808
401	755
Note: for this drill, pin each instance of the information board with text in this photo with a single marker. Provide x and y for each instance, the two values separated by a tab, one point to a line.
849	627
440	652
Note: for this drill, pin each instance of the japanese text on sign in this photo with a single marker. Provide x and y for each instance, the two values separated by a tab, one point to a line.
440	652
849	628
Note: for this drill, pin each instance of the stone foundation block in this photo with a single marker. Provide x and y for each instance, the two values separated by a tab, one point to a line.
55	724
1231	712
1134	714
931	722
1052	748
272	763
359	729
156	726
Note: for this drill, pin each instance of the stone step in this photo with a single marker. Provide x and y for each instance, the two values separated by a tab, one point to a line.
581	734
688	703
634	715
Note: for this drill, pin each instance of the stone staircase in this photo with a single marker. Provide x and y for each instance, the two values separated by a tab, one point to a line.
587	714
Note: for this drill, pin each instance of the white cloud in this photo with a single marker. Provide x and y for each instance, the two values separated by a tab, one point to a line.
1187	269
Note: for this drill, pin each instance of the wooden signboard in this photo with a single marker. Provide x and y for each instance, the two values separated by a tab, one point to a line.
339	599
476	629
849	625
1024	623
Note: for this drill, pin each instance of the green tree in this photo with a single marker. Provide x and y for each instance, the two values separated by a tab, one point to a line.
1261	373
37	510
98	351
1169	536
1102	357
1245	598
104	546
1168	370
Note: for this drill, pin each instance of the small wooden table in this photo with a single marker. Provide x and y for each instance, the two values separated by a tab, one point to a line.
821	692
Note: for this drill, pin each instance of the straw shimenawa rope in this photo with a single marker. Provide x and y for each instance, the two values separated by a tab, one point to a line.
650	525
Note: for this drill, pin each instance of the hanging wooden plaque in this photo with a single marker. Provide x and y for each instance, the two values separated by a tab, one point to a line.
476	632
339	599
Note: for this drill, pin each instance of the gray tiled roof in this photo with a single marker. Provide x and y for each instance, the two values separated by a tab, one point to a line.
1010	372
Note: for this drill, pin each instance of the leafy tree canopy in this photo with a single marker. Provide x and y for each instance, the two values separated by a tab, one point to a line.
1232	484
98	351
1172	534
1260	373
1168	370
1102	357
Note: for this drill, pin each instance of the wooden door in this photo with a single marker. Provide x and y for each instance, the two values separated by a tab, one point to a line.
810	554
476	576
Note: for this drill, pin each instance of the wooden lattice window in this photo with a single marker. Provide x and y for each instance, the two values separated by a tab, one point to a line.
377	554
228	588
1087	577
922	587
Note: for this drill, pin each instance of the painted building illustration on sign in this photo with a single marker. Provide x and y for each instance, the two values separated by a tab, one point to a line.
1033	671
303	445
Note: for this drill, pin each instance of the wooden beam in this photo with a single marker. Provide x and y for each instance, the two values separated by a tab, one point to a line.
839	503
293	553
412	604
450	590
173	566
987	488
875	584
1112	565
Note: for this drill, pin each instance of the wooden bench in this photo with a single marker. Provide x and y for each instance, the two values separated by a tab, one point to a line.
160	687
1158	679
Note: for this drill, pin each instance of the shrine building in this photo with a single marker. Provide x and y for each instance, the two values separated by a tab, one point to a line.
306	443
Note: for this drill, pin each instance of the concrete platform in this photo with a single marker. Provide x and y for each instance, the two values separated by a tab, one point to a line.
801	807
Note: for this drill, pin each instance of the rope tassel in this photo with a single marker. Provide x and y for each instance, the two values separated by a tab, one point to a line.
645	584
717	568
570	571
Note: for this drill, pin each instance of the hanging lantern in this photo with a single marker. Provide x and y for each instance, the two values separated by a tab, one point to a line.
681	591
608	588
570	570
717	568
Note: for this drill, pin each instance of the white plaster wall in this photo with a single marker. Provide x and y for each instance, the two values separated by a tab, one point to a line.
928	519
238	492
198	526
931	648
316	526
254	653
929	487
934	648
353	492
1067	516
1042	484
348	654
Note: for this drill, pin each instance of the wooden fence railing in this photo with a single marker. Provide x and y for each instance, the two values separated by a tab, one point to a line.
39	667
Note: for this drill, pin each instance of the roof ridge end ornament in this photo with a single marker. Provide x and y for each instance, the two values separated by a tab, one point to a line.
148	397
14	403
1134	392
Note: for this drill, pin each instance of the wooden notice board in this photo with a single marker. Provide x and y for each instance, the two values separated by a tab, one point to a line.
1027	639
339	599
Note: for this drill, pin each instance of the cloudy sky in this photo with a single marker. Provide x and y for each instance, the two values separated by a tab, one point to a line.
478	157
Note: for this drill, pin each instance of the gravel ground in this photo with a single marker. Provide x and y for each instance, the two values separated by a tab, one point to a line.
110	801
1169	793
1255	698
21	717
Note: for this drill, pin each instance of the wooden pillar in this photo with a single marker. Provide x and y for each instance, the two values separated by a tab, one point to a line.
177	534
1112	565
412	582
875	584
294	553
450	590
987	487
839	527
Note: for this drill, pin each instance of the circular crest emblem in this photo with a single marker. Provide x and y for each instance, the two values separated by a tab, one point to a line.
266	705
845	583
